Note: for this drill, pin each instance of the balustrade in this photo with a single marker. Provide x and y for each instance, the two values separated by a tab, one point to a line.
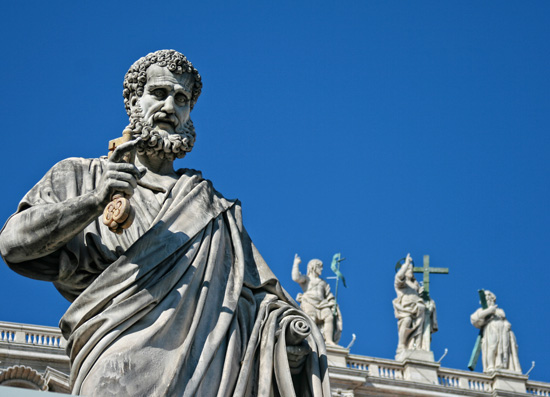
538	388
31	334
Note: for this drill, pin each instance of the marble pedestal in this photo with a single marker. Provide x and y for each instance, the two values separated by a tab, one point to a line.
508	381
419	366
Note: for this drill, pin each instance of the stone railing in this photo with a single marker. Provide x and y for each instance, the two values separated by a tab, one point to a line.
35	335
464	379
376	367
538	388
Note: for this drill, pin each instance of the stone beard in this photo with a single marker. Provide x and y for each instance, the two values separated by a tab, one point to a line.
156	142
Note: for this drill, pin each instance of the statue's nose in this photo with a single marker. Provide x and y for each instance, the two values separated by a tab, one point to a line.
168	105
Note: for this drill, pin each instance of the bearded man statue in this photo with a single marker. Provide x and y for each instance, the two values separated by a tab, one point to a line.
180	303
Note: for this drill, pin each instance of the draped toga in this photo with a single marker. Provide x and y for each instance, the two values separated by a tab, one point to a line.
409	305
498	345
181	303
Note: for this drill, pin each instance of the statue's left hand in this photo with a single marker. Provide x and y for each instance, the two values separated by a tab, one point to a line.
297	356
297	348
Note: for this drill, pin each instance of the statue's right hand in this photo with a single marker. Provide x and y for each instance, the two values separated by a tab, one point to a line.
490	310
297	259
119	177
127	147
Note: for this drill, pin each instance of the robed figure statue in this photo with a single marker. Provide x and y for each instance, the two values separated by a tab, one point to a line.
178	302
414	310
498	344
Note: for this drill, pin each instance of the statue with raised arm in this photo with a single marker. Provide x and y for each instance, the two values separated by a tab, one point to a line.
499	348
176	301
317	300
415	313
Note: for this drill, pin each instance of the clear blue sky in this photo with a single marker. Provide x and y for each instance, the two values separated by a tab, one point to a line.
368	128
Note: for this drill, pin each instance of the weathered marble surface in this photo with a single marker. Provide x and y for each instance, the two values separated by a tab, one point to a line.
416	317
317	300
498	345
180	303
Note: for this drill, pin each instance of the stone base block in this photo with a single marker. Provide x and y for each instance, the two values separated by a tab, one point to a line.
337	356
418	355
509	381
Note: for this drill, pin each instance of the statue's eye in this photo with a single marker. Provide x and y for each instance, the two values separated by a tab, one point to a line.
181	99
159	93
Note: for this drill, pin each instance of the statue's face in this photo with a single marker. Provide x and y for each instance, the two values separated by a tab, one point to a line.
319	269
491	299
165	102
315	267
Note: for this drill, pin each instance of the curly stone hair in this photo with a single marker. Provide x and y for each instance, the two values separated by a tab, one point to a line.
176	62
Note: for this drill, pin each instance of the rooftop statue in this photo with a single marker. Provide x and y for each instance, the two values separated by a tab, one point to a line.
179	301
498	343
317	300
414	309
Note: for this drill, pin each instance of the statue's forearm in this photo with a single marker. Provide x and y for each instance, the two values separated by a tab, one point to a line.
296	275
43	229
400	276
479	319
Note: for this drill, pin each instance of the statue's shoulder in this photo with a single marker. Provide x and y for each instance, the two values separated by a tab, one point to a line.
192	173
78	164
189	172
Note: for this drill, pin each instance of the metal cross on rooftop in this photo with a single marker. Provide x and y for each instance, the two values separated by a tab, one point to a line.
426	270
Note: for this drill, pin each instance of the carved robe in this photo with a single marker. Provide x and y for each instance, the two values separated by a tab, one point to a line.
498	345
181	303
409	305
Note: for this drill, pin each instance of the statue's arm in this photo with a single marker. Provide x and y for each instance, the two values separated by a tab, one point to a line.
42	229
296	275
481	317
400	275
328	293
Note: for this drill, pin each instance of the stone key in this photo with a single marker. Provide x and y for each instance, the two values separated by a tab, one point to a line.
119	213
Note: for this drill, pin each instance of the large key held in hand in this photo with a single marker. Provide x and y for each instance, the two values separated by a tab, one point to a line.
119	213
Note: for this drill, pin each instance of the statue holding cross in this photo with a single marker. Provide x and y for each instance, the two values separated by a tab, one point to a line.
414	309
496	339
